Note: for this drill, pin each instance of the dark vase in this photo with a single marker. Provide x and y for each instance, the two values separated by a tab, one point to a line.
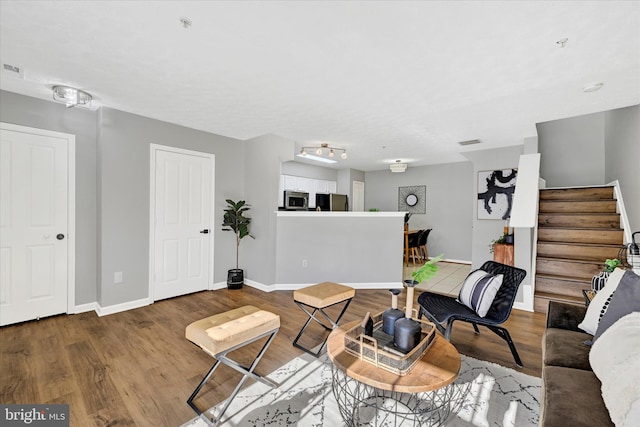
406	334
389	318
392	314
235	278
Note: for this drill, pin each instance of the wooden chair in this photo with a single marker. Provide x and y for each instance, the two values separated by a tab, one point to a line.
422	244
414	246
444	310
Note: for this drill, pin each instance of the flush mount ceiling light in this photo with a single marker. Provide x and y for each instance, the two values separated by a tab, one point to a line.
592	87
323	149
71	96
398	166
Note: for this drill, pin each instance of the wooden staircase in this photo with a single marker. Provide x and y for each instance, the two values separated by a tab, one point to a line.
578	229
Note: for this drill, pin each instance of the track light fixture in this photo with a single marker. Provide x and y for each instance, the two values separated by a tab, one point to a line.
324	149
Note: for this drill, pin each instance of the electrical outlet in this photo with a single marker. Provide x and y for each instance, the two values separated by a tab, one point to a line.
117	277
305	264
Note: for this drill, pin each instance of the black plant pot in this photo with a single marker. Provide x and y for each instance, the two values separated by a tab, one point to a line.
235	278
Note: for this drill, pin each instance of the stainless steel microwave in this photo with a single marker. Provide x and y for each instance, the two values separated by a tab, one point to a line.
296	200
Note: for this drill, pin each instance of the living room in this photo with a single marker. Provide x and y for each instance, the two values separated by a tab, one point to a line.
596	146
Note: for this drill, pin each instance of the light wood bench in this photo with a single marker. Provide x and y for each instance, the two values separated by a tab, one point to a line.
222	333
319	297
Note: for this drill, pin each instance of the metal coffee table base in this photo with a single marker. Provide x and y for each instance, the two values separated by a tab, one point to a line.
364	405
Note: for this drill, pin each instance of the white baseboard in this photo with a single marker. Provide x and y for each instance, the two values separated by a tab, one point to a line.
527	304
296	286
84	308
117	308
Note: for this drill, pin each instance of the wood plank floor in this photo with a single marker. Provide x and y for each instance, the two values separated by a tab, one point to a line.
136	368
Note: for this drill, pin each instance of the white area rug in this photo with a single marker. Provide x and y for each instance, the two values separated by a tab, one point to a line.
499	396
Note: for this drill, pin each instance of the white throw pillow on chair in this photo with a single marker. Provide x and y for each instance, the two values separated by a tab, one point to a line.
479	290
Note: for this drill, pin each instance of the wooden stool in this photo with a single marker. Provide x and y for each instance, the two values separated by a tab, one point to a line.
319	297
225	332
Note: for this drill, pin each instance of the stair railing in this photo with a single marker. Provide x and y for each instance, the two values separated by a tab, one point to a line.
524	218
624	220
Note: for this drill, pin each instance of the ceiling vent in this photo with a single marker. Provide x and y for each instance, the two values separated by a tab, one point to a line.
12	70
470	142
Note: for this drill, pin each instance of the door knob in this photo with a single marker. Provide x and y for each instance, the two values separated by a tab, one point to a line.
60	236
205	231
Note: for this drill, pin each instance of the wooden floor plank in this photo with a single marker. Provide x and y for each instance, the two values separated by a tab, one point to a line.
137	369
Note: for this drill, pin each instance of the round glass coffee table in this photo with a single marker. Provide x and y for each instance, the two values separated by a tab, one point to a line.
368	395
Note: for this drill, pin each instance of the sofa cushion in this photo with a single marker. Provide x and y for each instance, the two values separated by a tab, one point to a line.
571	397
615	361
625	300
561	347
600	303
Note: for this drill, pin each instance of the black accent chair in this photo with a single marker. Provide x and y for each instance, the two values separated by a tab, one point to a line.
441	309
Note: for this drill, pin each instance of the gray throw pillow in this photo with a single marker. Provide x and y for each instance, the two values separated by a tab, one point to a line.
625	300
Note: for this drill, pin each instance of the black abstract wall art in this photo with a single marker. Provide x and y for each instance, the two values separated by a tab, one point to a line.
495	193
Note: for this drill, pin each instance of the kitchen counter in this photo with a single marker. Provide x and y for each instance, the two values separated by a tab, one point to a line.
359	249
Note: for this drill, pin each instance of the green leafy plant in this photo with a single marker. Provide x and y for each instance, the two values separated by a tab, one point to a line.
611	265
427	271
500	240
234	220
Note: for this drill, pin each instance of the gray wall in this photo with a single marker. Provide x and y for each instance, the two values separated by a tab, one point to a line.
572	151
36	113
449	201
595	149
263	159
487	230
124	156
622	157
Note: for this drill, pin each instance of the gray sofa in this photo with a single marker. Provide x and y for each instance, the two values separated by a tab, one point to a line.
571	394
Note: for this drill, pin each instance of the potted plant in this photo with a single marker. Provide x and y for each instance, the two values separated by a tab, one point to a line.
406	330
234	220
599	280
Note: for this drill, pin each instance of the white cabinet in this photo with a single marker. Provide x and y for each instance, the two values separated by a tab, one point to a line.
308	185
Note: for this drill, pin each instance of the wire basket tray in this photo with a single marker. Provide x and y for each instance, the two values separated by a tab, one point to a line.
380	351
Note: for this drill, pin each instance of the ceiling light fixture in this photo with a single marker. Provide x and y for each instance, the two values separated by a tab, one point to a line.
398	166
592	87
71	96
321	151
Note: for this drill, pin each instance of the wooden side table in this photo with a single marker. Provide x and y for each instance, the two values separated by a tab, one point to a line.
503	253
425	396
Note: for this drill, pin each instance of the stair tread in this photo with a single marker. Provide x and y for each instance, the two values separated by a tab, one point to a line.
581	261
576	200
605	245
587	229
566	278
547	295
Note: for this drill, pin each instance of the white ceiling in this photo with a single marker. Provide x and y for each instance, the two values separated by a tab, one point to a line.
386	80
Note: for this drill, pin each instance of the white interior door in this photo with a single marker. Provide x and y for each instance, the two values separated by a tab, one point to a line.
358	196
181	219
34	228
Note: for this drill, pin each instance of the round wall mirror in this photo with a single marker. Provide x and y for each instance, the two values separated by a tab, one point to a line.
411	200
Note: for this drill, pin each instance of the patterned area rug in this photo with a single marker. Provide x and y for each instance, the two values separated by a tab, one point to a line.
498	396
